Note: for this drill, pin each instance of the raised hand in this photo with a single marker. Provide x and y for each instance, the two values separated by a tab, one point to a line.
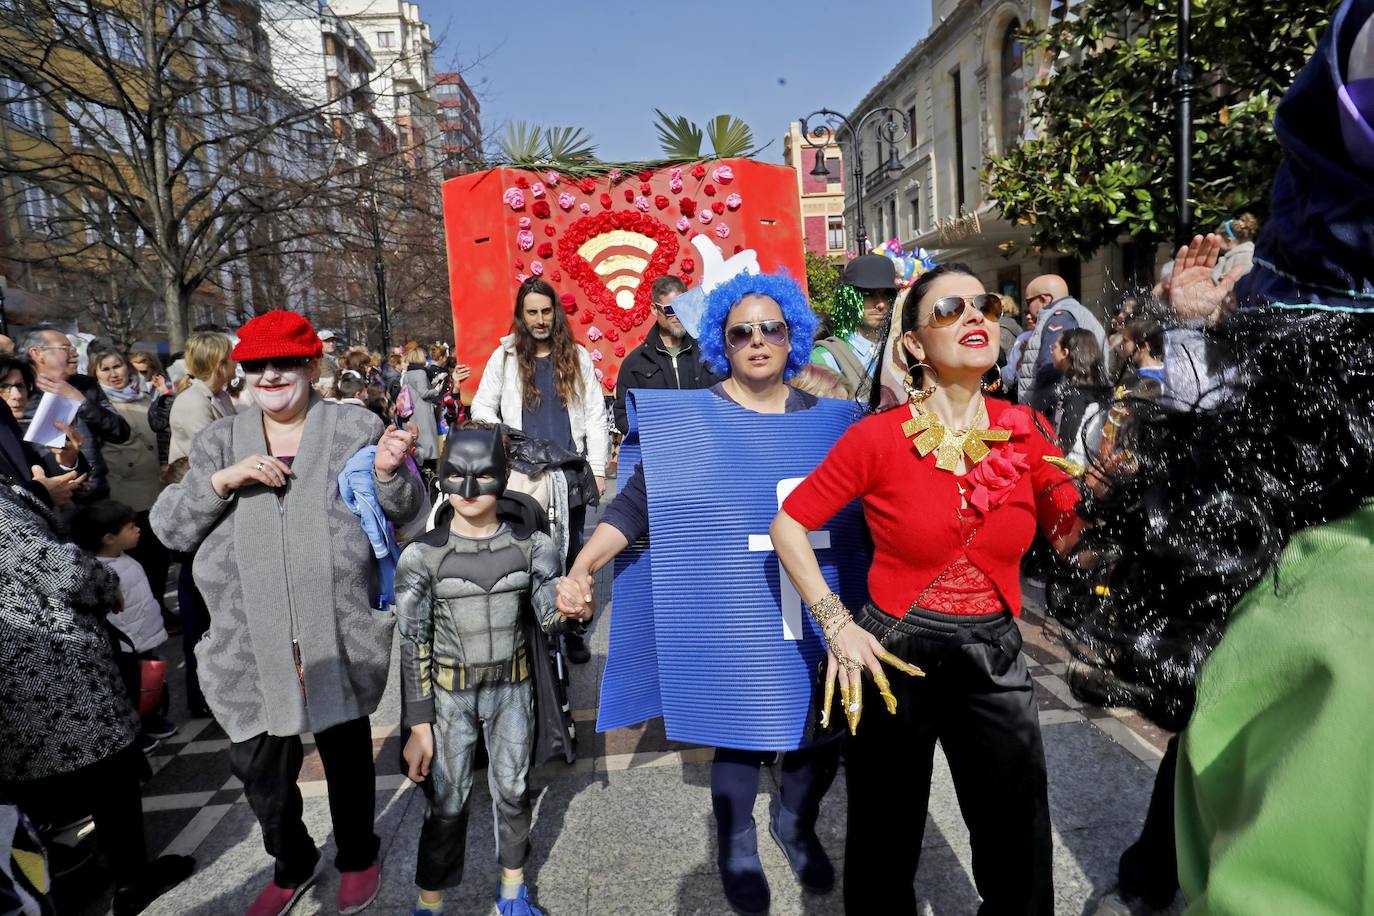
1192	293
392	450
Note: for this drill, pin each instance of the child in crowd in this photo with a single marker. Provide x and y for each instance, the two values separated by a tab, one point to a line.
467	661
352	388
107	529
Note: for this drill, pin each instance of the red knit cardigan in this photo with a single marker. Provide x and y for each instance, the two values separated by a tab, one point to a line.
913	508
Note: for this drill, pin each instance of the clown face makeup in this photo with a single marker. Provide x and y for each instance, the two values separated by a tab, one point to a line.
474	464
281	387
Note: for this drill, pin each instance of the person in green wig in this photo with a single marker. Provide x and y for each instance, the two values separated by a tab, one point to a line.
858	318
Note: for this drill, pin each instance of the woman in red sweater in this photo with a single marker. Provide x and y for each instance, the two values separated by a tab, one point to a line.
954	486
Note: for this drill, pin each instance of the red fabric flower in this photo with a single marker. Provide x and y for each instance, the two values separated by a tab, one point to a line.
698	171
549	230
588	185
586	317
541	208
645	188
521	181
619	350
629	195
605	201
612	335
568	300
688	207
717	208
738	249
592	285
646	174
519	263
545	249
710	190
992	479
688	265
609	382
661	202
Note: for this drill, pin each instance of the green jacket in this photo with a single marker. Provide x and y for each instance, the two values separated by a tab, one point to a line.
1275	792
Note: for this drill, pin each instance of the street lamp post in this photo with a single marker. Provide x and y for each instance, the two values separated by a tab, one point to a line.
895	128
1183	93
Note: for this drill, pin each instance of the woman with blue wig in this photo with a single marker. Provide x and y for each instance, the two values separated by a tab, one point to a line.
757	331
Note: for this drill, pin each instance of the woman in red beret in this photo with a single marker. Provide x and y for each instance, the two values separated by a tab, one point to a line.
295	644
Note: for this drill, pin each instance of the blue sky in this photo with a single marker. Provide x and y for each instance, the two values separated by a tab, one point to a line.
605	66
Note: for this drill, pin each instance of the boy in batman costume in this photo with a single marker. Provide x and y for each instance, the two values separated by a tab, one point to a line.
470	656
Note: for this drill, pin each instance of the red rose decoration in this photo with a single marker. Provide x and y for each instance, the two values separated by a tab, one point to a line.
644	188
612	335
717	208
545	250
588	185
661	202
646	174
605	201
556	276
521	181
592	285
619	350
688	207
738	249
629	195
686	280
698	171
992	479
586	317
609	382
568	300
541	208
549	230
688	265
519	263
710	190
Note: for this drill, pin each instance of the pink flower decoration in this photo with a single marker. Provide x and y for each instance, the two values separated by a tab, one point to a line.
992	480
524	239
596	356
521	277
585	207
643	204
514	198
706	216
594	334
722	230
734	201
683	224
723	174
613	175
595	371
675	185
552	177
537	268
675	172
566	200
525	222
537	189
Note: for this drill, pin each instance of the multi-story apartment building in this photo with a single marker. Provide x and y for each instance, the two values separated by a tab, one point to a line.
822	197
964	91
460	124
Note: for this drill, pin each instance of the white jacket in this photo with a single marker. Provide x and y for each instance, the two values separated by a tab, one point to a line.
141	618
500	399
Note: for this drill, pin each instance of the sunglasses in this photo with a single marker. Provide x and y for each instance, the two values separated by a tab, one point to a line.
774	331
280	363
665	310
949	309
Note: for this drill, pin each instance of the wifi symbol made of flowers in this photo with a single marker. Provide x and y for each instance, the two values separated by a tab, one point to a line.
615	258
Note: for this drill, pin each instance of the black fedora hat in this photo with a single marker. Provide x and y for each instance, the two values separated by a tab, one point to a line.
871	271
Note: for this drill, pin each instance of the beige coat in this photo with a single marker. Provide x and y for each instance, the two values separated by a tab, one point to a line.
132	466
193	410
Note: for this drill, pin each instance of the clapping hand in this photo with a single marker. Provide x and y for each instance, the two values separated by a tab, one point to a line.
1192	293
392	450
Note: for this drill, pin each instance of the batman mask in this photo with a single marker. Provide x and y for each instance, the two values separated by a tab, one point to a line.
470	454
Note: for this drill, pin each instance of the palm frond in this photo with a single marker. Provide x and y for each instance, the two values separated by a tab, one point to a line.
523	143
567	145
678	137
730	137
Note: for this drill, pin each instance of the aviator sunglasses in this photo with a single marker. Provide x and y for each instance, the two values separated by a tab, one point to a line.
948	309
774	331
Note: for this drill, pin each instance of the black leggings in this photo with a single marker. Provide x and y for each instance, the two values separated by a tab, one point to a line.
806	776
977	700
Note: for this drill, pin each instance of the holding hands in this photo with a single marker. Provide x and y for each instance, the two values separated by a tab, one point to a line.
575	595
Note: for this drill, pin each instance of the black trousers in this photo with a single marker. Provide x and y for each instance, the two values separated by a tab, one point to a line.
268	766
1149	867
154	558
195	623
977	701
110	790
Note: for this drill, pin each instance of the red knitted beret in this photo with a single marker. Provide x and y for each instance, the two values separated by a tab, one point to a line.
279	333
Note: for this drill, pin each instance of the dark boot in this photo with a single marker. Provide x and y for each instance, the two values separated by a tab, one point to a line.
575	649
158	878
741	872
803	849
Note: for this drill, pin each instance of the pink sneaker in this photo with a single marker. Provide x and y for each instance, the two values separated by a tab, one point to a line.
357	889
276	900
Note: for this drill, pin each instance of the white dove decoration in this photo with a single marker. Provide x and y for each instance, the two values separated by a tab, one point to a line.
715	270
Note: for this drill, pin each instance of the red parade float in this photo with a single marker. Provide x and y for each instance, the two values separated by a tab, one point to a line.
601	242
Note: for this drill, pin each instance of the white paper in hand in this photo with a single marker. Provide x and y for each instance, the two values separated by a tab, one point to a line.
53	409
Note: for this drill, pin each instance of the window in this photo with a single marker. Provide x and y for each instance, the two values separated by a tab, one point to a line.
99	128
915	211
386	39
957	89
35	207
834	233
911	127
1013	85
22	107
836	170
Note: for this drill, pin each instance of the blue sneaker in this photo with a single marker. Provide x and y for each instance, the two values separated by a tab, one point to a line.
519	906
422	911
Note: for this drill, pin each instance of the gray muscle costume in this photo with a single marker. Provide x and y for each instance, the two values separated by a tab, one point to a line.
461	607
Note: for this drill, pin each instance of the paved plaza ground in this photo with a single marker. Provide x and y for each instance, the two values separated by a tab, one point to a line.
628	828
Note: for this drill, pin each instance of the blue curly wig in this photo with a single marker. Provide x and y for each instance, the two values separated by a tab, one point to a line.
779	287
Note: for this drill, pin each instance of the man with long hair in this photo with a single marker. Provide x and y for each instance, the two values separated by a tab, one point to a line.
541	382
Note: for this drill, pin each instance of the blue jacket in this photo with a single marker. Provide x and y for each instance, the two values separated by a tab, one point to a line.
358	490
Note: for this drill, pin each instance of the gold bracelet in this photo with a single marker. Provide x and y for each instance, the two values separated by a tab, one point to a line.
832	617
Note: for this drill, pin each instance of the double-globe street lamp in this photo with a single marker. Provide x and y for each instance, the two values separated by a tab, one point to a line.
892	130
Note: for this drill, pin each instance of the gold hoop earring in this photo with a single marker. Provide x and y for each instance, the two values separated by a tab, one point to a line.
913	394
992	387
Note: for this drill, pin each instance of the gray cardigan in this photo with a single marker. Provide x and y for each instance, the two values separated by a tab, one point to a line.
272	571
